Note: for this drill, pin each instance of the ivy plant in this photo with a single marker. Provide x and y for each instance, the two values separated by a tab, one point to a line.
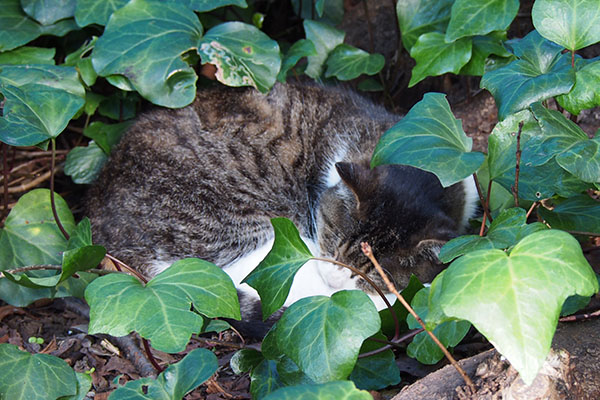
121	52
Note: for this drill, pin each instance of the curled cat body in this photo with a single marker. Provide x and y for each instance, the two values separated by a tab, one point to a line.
205	180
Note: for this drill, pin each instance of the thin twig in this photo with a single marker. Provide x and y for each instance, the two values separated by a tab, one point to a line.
50	267
533	207
213	385
151	358
216	342
486	207
580	317
33	183
52	202
515	188
24	154
32	268
369	253
141	277
595	234
484	202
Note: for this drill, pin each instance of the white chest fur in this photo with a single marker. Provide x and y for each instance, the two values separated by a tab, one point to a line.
313	279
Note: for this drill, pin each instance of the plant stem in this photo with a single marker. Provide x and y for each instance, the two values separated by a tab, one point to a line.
595	234
34	268
151	357
515	188
486	207
369	253
5	172
52	202
572	58
579	317
484	202
50	267
533	207
133	272
370	282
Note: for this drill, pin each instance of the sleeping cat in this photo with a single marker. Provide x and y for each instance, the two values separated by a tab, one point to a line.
203	181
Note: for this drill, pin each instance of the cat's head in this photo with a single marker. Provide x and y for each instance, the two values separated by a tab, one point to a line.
404	214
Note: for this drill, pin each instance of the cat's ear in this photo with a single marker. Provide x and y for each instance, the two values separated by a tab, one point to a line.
356	176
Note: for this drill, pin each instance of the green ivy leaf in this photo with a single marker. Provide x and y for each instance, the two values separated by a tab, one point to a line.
58	77
586	92
327	391
377	371
89	12
81	259
81	236
40	101
84	64
120	106
92	101
174	382
424	349
273	277
264	379
84	163
18	28
302	48
430	138
47	12
582	159
133	37
540	72
346	62
469	18
30	235
571	24
35	113
106	135
483	47
416	17
436	57
245	360
209	5
558	133
325	38
31	377
574	304
579	213
28	55
243	55
450	332
505	231
523	291
84	384
323	335
536	182
160	311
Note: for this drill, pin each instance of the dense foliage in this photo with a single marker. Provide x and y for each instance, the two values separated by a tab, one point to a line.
517	275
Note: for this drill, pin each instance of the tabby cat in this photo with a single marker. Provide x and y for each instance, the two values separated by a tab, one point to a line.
203	181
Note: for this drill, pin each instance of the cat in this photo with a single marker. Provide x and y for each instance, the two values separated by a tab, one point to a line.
203	181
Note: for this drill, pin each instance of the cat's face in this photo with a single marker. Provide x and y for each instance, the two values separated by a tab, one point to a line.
397	210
